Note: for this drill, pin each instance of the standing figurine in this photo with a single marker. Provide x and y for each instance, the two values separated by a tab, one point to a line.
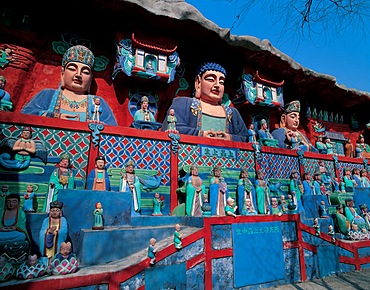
218	192
171	122
177	237
195	193
158	202
130	183
98	178
96	110
349	183
62	177
331	233
3	193
348	148
230	208
362	149
320	145
296	189
28	199
329	146
262	193
316	226
152	251
252	138
98	217
323	210
245	189
365	182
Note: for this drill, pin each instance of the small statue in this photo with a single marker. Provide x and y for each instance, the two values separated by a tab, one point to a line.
158	202
6	270
329	146
5	100
98	217
152	251
320	145
144	114
316	226
348	148
62	177
30	269
171	122
265	136
98	178
230	208
65	262
362	149
331	233
177	237
96	110
28	199
251	134
323	210
3	193
248	208
275	208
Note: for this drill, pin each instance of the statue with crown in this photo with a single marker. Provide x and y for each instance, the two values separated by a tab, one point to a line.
288	135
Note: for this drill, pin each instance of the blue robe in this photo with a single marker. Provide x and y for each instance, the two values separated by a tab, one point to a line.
279	134
46	101
91	178
190	123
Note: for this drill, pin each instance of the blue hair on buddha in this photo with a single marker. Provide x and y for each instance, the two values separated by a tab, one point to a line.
210	66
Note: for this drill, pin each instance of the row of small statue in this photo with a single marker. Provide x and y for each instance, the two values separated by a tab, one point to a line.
199	202
56	256
205	114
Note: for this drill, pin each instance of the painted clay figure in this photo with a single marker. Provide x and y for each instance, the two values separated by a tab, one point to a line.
245	189
158	203
98	178
144	114
130	183
351	214
62	177
331	233
195	193
252	136
54	231
265	137
171	122
152	251
262	193
365	214
204	115
3	193
218	192
72	100
296	189
14	240
275	208
348	148
349	183
329	146
230	208
316	226
32	268
98	217
289	122
5	100
362	149
177	237
308	188
64	262
320	145
96	110
28	199
248	208
365	182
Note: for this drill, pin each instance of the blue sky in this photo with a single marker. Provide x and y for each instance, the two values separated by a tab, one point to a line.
344	55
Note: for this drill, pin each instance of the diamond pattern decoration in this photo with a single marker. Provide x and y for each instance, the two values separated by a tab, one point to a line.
278	166
147	154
